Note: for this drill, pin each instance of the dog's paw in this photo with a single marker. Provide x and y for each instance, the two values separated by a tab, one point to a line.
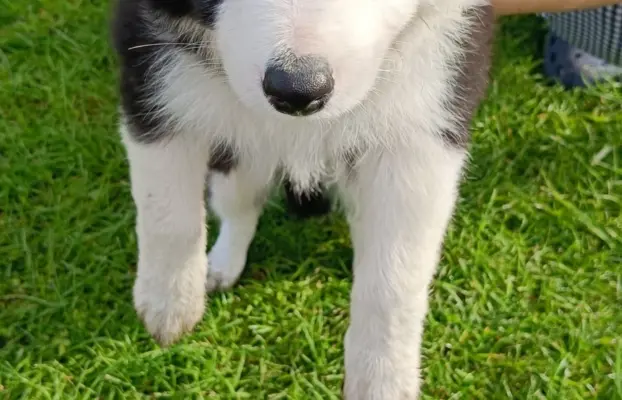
169	311
224	267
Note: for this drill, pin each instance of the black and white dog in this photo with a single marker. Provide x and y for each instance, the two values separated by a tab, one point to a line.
370	97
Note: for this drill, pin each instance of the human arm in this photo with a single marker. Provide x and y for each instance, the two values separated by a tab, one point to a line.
510	7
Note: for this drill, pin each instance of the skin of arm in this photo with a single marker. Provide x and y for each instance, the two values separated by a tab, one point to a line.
511	7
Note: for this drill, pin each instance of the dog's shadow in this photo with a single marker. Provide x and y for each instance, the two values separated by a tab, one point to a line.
286	247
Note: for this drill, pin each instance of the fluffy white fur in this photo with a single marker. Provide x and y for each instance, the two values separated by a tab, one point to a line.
391	60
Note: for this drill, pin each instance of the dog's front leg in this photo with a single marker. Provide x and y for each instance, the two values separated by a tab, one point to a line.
401	203
168	180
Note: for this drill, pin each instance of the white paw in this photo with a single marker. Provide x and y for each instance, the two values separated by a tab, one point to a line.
377	373
225	266
169	309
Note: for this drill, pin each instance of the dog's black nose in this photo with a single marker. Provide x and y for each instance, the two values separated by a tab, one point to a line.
298	86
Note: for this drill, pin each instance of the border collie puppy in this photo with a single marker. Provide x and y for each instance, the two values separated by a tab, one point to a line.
371	98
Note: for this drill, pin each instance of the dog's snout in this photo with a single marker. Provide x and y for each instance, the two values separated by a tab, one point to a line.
298	86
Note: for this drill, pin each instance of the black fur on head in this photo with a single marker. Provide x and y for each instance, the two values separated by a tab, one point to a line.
175	8
138	43
204	10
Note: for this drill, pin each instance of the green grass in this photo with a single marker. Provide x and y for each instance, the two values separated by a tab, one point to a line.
527	303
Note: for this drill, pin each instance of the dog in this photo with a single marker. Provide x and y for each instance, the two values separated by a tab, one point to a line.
367	100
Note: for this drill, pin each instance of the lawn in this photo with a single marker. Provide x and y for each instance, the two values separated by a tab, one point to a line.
527	303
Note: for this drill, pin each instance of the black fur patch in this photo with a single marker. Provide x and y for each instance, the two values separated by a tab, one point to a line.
203	10
472	81
308	204
206	10
133	44
222	159
138	47
175	8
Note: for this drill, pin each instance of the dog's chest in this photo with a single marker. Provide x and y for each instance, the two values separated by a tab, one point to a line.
304	157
